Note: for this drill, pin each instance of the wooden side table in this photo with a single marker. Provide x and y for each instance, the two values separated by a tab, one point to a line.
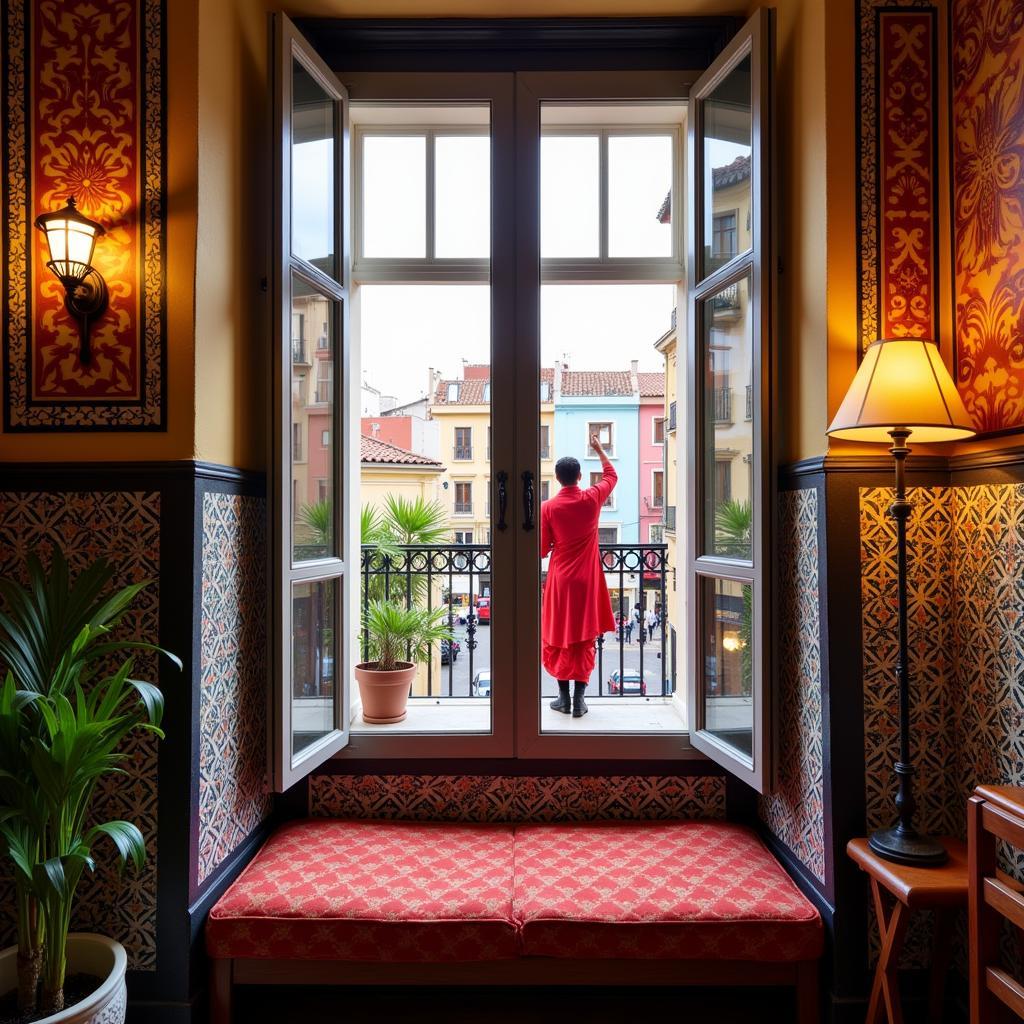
942	890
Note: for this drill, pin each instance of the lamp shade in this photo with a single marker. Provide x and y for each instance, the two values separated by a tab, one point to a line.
903	384
71	238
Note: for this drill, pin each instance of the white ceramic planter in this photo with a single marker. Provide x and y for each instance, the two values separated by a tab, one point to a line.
87	954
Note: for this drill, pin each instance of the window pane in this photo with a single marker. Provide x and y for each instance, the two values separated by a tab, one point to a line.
726	650
312	436
728	436
313	661
462	190
726	187
394	196
313	151
569	174
639	179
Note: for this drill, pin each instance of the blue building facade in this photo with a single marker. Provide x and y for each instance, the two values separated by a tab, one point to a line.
608	402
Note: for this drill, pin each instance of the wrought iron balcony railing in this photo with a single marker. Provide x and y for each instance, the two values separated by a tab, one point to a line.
630	660
750	402
464	453
723	405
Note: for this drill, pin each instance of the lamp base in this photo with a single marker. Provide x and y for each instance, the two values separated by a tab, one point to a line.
907	848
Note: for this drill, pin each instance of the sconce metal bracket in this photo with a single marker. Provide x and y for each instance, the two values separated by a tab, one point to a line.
86	301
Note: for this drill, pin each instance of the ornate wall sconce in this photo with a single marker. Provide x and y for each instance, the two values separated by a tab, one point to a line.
71	239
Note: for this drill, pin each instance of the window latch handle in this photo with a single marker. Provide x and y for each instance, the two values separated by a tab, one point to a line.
502	499
528	499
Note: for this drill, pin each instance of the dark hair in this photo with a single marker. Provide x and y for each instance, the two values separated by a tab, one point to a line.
567	469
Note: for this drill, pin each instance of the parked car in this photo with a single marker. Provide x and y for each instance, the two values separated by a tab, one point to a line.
481	684
483	611
630	683
450	651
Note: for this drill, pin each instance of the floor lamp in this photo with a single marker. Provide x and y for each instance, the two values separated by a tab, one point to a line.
901	389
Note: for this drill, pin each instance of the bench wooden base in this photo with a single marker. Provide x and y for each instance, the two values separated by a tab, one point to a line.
225	974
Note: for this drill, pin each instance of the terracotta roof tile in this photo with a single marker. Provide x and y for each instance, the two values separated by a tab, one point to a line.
652	385
381	453
471	390
730	174
596	383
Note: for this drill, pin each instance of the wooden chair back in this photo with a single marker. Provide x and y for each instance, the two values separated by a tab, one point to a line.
993	812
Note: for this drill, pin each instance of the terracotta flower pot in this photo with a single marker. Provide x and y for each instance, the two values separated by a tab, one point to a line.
384	694
87	954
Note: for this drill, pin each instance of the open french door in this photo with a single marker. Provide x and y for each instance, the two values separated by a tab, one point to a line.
730	317
314	531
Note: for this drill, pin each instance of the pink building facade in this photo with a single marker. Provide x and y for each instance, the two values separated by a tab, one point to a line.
651	456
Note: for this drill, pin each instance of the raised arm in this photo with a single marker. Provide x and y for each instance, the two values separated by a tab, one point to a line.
609	477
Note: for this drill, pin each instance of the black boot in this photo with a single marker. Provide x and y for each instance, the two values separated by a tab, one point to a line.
562	702
579	705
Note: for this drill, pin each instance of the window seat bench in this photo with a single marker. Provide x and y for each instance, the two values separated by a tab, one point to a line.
329	901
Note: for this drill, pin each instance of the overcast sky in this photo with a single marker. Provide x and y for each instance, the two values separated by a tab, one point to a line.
407	329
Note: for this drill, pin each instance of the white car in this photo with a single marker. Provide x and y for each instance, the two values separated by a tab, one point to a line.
481	684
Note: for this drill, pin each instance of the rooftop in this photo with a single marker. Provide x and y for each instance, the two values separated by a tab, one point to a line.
379	452
597	383
652	385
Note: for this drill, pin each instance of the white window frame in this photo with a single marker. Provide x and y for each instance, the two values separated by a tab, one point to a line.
612	433
651	527
659	471
609	526
455	499
411	268
655	420
604	267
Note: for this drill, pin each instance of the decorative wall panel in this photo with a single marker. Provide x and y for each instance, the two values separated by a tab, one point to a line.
83	116
795	811
489	798
233	797
897	195
125	528
988	209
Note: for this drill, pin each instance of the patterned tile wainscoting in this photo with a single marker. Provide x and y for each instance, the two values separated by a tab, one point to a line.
794	813
233	796
510	798
125	527
967	660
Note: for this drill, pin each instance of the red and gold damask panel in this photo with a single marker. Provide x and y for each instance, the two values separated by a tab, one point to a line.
898	202
83	116
988	209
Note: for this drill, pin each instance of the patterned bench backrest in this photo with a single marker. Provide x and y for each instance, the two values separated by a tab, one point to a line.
517	798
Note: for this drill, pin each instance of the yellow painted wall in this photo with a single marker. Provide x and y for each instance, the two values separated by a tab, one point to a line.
377	483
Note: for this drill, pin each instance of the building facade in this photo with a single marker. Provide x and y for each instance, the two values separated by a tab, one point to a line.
651	456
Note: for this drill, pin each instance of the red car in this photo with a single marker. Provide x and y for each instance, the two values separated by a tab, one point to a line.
483	611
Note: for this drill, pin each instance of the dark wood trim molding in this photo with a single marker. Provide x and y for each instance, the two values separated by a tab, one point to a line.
1011	458
518	44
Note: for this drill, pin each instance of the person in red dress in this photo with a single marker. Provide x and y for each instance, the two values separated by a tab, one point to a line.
576	606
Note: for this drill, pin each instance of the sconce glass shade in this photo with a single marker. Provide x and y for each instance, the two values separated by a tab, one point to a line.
902	384
71	238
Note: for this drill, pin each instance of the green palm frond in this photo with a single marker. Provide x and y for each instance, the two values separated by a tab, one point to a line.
396	633
415	521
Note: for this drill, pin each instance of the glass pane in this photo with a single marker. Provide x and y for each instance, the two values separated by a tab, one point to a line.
609	379
313	158
727	197
425	489
726	648
313	661
639	182
462	189
395	196
312	437
728	436
569	203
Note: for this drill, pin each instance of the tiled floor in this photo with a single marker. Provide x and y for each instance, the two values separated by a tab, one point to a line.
514	1006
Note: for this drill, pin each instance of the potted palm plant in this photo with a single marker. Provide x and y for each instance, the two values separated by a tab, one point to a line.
397	638
67	702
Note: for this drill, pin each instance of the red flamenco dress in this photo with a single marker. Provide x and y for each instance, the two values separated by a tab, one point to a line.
576	606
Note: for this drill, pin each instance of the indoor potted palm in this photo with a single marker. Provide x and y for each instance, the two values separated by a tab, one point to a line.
397	638
67	701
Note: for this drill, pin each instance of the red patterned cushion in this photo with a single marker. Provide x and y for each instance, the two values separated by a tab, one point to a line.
665	890
344	890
